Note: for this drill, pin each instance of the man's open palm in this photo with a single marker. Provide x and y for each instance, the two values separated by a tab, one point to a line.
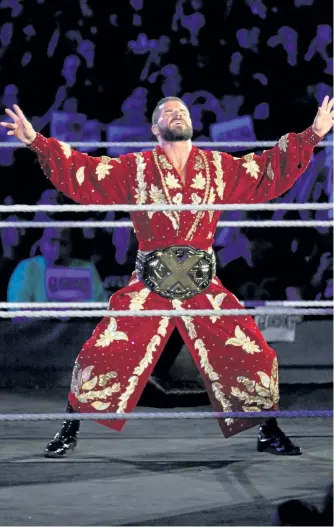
20	127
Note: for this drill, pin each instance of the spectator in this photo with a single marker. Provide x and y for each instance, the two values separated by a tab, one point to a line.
55	275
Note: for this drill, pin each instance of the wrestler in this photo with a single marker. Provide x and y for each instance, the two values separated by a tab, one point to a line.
175	268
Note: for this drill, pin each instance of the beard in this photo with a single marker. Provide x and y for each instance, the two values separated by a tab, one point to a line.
178	133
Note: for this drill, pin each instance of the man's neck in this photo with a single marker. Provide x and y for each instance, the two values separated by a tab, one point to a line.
177	152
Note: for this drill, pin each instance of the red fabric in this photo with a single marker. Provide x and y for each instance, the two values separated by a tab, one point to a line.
238	367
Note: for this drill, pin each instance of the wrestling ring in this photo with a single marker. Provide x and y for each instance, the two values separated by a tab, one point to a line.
176	469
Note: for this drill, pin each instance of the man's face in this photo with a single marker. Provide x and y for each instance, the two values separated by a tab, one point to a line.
55	246
174	123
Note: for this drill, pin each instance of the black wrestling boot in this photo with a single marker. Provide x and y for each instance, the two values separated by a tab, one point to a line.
273	440
65	440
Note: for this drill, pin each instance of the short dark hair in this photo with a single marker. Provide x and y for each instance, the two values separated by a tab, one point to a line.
155	114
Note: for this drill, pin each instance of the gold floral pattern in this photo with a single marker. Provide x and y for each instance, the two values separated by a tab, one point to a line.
138	299
163	325
200	214
283	143
80	175
103	168
199	164
241	340
270	172
172	181
161	162
83	387
124	397
196	200
259	394
198	181
219	179
139	370
166	165
211	199
110	335
222	398
157	196
251	166
204	360
216	302
141	192
67	150
177	199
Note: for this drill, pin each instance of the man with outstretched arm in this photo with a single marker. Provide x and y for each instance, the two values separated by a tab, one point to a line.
175	268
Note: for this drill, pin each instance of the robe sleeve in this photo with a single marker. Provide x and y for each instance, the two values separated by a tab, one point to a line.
261	178
82	178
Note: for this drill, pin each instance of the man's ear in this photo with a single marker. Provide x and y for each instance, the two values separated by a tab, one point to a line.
155	130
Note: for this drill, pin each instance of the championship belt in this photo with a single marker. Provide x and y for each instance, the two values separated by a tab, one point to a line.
176	272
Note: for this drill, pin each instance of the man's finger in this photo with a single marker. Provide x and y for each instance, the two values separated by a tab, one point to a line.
8	125
325	102
330	105
12	115
20	113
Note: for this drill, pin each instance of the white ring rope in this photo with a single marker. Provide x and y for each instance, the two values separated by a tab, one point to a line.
105	305
165	313
153	144
154	207
104	416
129	224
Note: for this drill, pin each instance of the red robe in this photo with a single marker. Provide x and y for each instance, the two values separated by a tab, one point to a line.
238	367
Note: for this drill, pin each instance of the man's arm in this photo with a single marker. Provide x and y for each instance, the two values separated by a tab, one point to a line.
84	179
260	178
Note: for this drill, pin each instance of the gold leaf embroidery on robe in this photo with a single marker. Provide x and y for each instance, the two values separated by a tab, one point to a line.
199	164
172	181
66	149
157	196
241	340
148	358
219	179
105	377
138	299
188	321
103	168
211	199
165	163
199	215
283	143
196	200
123	399
163	325
138	371
264	394
251	166
82	386
161	163
110	335
80	175
221	397
204	360
141	192
216	302
270	172
177	199
198	181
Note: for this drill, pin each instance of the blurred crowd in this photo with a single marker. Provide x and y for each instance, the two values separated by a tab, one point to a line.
85	71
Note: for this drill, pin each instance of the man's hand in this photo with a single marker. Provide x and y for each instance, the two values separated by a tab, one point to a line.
324	119
20	128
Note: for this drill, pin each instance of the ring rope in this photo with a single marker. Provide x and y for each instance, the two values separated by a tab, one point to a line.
164	313
129	224
105	305
152	144
163	415
156	207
